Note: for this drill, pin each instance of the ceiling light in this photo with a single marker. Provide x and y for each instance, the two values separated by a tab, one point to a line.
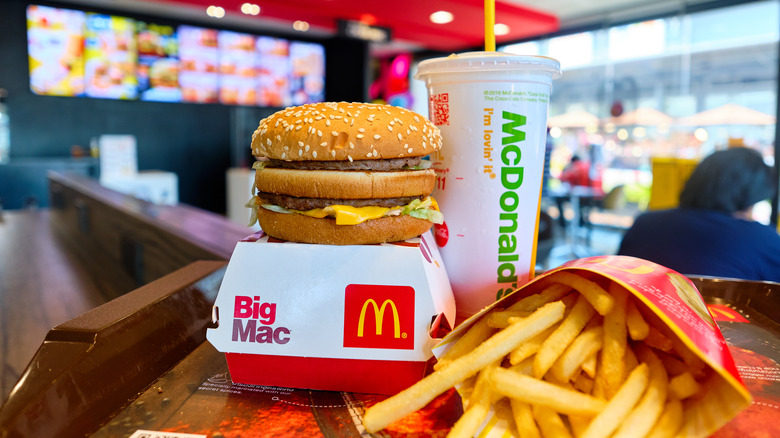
441	17
250	9
215	11
500	29
301	26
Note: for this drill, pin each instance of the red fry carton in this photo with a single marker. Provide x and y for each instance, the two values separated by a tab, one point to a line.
354	318
670	302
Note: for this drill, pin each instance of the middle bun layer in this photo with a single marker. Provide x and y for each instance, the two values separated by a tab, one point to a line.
345	184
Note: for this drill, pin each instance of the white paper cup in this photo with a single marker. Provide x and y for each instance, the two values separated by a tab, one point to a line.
491	108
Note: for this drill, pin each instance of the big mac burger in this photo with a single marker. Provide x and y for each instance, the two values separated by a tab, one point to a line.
344	174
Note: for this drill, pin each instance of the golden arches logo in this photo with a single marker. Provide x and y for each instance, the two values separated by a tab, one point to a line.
379	313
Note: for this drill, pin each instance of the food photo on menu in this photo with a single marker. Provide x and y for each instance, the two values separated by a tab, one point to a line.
273	72
56	52
237	74
199	64
110	57
158	62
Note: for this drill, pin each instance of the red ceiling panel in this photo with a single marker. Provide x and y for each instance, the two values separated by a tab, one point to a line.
408	19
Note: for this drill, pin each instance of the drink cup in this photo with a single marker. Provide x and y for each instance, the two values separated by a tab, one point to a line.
491	109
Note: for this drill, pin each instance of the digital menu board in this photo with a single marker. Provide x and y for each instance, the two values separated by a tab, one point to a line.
77	53
110	57
158	62
56	50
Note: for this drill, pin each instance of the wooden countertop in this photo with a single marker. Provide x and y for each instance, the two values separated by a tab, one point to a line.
91	246
42	284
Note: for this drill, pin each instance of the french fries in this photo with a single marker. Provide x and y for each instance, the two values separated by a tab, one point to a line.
578	359
493	349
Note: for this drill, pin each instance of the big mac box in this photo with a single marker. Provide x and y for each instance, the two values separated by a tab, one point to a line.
344	288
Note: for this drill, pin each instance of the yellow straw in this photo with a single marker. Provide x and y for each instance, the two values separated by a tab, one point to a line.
490	21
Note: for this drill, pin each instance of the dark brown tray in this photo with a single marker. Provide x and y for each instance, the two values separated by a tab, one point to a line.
198	396
185	387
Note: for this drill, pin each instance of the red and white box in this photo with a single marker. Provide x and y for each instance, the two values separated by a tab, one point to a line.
355	318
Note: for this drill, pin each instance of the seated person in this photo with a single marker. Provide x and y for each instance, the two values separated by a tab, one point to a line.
712	232
580	173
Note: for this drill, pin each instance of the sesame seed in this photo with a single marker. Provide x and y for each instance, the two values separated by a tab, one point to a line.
351	145
413	128
377	136
324	143
410	150
334	133
389	128
306	148
361	129
300	152
314	154
284	155
368	154
279	137
327	122
333	153
349	157
298	128
416	119
359	136
300	143
268	142
298	122
392	122
399	136
319	133
424	145
287	148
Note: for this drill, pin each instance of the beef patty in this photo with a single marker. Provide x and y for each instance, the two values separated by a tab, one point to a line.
375	165
303	204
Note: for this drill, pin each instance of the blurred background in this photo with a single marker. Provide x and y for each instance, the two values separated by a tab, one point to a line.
159	99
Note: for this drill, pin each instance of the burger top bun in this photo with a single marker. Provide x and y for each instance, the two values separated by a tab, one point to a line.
344	131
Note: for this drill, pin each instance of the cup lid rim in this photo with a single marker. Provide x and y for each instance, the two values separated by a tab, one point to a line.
495	61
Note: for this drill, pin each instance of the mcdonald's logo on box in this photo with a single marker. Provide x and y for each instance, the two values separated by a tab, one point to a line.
379	316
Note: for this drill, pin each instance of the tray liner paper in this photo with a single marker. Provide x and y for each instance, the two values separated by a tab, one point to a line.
679	305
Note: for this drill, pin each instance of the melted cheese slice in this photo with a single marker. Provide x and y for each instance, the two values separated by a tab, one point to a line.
347	214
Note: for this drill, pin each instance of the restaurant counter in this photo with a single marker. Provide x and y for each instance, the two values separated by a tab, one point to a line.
91	246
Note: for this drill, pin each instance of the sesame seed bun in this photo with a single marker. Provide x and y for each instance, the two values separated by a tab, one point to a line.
344	131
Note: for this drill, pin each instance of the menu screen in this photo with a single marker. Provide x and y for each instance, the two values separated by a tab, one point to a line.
199	58
237	74
158	62
56	50
77	53
110	57
273	71
308	72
